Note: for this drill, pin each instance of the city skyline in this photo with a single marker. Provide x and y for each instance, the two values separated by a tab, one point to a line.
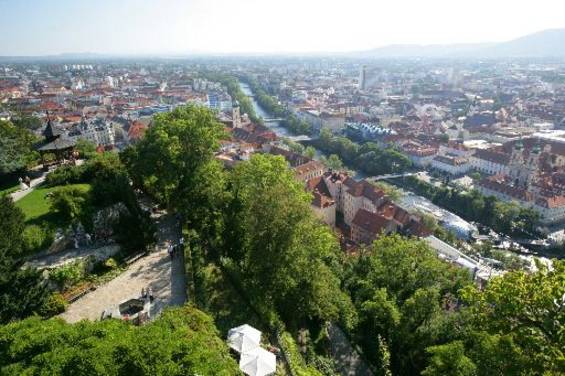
39	27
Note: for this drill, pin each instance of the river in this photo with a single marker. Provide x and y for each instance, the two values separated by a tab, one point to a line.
279	129
261	112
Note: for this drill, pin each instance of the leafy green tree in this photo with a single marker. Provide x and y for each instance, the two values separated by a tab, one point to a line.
448	360
476	176
294	146
334	162
181	341
86	149
16	148
390	190
70	202
310	152
528	309
175	163
290	260
400	288
21	290
31	123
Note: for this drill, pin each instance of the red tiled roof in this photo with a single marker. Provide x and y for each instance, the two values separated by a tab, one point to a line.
492	156
370	222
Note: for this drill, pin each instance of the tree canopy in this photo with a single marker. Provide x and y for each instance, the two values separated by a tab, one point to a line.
181	341
290	259
16	148
21	290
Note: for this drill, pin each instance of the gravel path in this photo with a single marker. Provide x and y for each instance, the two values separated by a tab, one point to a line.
165	277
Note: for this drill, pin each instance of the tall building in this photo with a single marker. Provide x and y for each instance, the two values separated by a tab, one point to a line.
363	78
236	116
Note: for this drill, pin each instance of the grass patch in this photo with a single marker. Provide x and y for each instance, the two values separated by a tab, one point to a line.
36	207
36	204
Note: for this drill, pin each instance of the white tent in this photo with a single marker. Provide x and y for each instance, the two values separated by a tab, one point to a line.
258	362
244	338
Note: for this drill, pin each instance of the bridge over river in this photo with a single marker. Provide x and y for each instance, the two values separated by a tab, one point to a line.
392	176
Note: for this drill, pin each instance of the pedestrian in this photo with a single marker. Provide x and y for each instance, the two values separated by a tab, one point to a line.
23	185
28	181
170	250
150	293
143	293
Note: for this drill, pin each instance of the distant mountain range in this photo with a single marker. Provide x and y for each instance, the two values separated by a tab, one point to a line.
544	44
547	43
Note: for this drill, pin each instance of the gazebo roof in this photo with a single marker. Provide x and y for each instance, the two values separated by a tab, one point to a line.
59	143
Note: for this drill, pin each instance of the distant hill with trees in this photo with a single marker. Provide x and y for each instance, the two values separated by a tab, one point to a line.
546	43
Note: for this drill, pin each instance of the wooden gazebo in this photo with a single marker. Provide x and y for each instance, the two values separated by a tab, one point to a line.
55	142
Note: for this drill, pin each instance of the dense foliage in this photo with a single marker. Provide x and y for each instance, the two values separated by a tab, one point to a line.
507	218
21	290
401	291
16	148
256	219
182	341
290	261
434	321
519	322
29	122
175	164
110	184
368	157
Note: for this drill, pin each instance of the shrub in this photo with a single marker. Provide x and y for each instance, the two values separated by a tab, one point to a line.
65	175
70	202
69	274
134	233
54	305
111	263
86	149
35	238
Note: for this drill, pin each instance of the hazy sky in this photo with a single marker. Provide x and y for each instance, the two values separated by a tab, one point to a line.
39	27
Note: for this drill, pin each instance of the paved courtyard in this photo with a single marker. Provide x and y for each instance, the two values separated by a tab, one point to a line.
165	277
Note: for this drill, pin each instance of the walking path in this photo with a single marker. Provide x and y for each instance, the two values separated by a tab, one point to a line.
23	192
349	362
37	181
165	277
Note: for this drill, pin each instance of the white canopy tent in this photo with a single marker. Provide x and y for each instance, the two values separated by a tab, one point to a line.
258	362
244	338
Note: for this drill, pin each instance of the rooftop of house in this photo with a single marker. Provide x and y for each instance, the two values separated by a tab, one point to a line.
371	222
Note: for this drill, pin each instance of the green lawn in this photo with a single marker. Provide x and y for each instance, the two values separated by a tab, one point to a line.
36	204
40	220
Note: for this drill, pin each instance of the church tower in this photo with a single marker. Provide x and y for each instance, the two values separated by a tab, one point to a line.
518	170
236	116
